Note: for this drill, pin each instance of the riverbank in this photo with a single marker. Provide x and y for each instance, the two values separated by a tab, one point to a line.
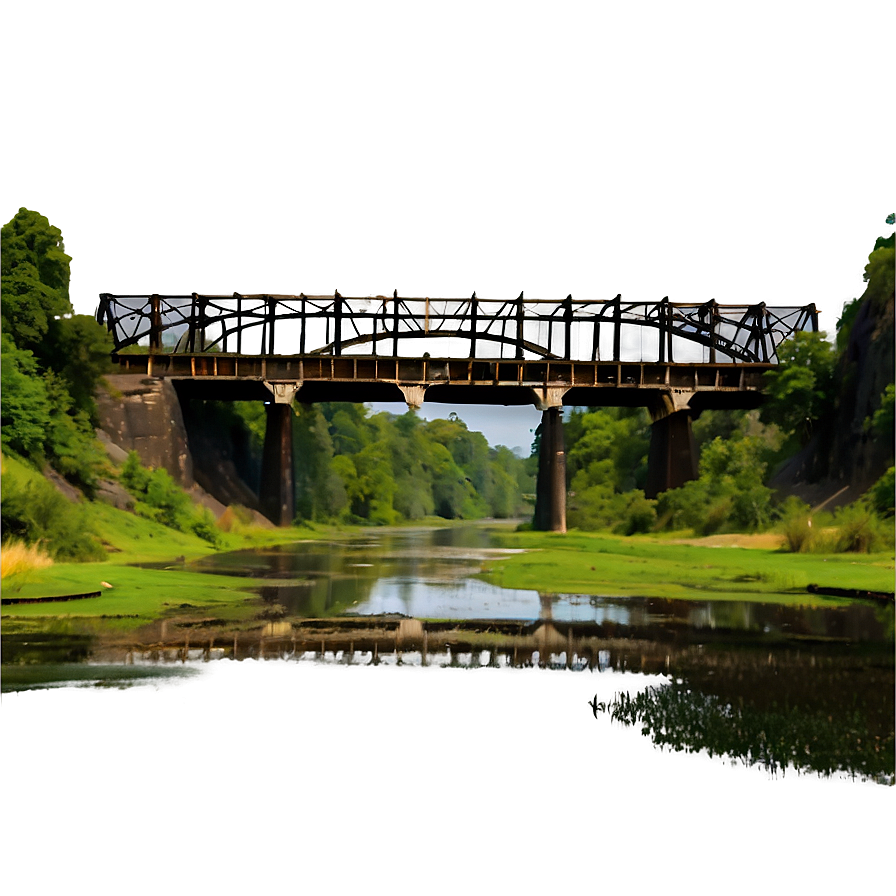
147	575
651	566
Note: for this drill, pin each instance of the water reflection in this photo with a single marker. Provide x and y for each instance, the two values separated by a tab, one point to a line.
683	718
430	574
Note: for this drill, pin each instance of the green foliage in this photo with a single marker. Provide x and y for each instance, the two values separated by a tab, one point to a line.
79	350
35	271
384	468
860	530
882	421
26	405
796	525
729	495
800	390
880	275
845	322
618	435
606	462
881	494
33	511
52	360
161	499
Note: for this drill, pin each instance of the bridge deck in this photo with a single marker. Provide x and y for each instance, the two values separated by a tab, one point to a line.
505	381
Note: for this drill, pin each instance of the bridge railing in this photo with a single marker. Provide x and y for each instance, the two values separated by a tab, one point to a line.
394	326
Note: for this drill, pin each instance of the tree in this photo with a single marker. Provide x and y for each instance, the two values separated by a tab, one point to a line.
35	271
800	390
26	405
52	360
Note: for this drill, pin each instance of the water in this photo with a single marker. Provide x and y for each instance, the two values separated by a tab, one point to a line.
510	737
429	573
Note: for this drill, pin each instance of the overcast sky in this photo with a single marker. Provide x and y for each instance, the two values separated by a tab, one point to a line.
740	152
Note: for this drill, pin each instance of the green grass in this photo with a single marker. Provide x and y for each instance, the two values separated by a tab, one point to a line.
139	595
593	563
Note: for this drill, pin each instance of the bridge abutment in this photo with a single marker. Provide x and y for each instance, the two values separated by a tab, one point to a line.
550	491
277	477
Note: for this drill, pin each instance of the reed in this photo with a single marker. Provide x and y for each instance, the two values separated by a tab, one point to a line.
20	559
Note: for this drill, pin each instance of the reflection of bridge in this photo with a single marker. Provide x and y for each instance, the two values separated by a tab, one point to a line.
675	359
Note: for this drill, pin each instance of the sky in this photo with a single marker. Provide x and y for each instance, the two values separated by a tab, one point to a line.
694	150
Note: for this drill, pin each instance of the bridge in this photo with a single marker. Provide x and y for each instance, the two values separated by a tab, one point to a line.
675	359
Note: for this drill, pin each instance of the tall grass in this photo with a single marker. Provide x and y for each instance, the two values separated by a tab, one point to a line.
855	528
19	560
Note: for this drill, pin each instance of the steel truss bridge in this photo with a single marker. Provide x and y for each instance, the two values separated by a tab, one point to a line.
473	328
676	359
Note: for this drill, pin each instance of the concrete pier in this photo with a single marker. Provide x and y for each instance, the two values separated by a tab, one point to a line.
550	492
277	492
672	460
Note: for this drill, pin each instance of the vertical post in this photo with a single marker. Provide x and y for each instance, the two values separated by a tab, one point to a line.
337	324
519	327
191	340
550	492
272	317
617	326
662	326
474	313
201	303
239	325
669	357
813	316
277	495
713	338
567	320
155	323
304	320
395	324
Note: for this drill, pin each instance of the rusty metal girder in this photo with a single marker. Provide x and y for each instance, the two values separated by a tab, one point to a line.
475	328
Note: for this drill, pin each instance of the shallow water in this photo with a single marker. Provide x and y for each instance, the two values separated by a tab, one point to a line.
429	573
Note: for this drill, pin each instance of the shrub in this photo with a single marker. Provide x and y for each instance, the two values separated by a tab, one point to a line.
235	519
796	525
860	530
159	498
881	494
33	511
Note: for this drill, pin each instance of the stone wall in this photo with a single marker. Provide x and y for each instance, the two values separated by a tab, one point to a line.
143	414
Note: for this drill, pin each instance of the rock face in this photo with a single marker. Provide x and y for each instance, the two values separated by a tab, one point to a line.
846	458
143	414
856	457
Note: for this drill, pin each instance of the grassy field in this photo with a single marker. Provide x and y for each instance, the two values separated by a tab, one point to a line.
137	594
595	563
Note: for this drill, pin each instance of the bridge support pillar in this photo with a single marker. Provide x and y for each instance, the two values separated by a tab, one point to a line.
550	492
277	496
672	460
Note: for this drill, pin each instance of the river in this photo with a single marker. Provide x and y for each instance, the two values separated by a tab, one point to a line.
510	738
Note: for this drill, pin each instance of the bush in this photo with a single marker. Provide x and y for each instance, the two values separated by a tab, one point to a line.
860	530
34	512
728	496
881	494
796	525
159	498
